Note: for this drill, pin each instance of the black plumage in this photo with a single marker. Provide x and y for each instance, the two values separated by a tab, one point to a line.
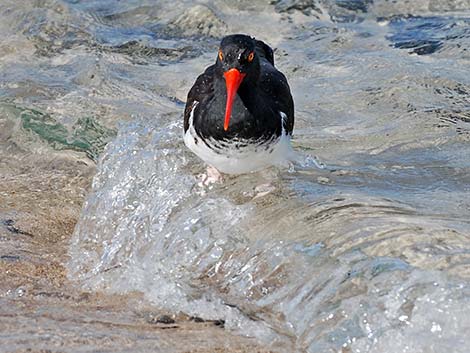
262	95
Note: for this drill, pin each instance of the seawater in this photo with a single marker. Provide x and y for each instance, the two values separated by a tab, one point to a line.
370	253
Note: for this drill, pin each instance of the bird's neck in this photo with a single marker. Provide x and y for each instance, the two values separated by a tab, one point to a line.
249	94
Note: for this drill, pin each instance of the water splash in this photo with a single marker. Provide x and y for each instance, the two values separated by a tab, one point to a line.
314	276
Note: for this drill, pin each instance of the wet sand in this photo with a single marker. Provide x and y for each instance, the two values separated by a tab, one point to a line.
40	201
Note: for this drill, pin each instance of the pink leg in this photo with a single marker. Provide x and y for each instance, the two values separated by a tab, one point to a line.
211	176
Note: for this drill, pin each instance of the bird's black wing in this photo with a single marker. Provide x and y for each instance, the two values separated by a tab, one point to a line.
264	51
203	89
274	84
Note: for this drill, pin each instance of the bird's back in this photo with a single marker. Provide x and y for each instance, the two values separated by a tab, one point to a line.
274	84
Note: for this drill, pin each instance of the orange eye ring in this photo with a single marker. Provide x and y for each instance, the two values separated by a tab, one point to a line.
221	55
251	56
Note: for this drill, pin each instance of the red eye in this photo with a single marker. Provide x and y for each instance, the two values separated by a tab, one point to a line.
221	55
251	57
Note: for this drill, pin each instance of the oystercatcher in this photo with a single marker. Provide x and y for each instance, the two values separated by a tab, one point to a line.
239	114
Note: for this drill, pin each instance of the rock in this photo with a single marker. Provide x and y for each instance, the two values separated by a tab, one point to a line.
196	319
220	323
307	7
199	20
164	319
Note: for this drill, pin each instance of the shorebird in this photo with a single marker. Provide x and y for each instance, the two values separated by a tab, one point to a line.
239	114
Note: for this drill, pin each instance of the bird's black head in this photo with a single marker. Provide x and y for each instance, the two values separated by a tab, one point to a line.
236	59
237	51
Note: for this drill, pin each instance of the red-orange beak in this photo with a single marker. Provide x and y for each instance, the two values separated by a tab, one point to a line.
233	79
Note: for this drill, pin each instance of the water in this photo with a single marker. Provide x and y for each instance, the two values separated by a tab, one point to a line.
368	254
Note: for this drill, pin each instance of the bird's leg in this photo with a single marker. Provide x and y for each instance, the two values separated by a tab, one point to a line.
211	176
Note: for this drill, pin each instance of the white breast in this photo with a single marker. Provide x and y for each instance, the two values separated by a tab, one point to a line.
238	156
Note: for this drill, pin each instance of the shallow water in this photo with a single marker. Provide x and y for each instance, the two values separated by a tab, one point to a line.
369	254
